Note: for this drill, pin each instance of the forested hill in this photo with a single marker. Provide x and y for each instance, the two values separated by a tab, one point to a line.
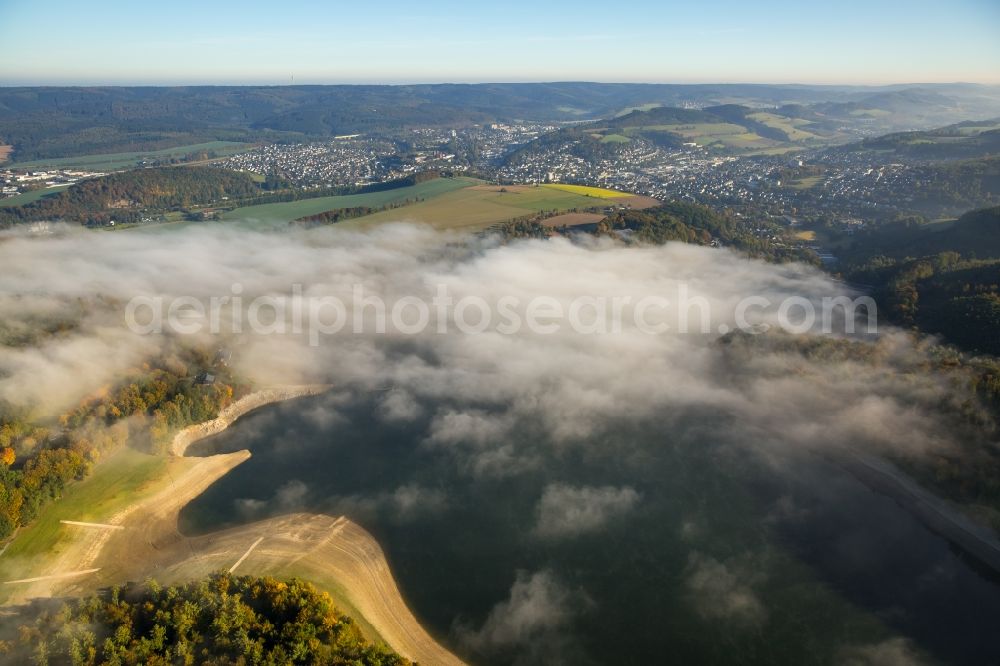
960	141
121	196
975	235
978	231
221	620
730	128
701	225
663	115
49	122
944	281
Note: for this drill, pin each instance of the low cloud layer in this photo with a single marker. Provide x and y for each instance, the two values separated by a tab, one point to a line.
891	652
288	498
565	511
531	623
496	404
725	590
403	504
479	385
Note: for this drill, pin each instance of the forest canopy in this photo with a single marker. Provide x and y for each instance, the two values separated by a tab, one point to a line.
124	196
223	619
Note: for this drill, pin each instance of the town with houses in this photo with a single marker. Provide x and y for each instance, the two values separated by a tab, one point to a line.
813	183
850	187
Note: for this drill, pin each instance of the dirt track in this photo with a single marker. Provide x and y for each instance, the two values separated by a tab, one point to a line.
188	479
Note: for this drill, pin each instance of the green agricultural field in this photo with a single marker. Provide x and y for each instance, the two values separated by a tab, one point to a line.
114	161
723	135
482	206
974	130
641	107
790	126
806	183
615	138
446	203
695	131
114	483
34	195
774	150
278	215
741	140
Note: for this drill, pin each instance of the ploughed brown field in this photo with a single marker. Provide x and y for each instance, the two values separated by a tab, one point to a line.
575	219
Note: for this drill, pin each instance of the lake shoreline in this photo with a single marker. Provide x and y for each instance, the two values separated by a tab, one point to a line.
315	545
260	398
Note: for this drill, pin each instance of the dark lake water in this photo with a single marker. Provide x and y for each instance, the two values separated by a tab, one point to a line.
723	557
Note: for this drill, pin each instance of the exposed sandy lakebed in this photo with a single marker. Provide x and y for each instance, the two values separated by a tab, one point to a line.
332	551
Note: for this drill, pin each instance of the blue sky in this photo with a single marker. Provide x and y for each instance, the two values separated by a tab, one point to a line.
281	41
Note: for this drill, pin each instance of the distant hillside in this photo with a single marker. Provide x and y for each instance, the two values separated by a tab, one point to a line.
894	100
960	141
952	185
700	225
740	128
121	196
663	115
49	122
975	234
726	128
939	188
941	280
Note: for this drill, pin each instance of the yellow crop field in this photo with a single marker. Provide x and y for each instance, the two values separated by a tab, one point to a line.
587	191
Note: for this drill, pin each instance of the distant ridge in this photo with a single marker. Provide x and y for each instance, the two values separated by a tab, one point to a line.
46	122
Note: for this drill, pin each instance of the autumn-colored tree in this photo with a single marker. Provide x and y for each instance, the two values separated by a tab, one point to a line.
11	501
155	401
219	620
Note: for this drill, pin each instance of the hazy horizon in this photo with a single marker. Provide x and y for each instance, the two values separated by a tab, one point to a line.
474	82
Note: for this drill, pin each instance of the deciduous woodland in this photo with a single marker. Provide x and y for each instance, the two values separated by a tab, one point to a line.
224	619
143	411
